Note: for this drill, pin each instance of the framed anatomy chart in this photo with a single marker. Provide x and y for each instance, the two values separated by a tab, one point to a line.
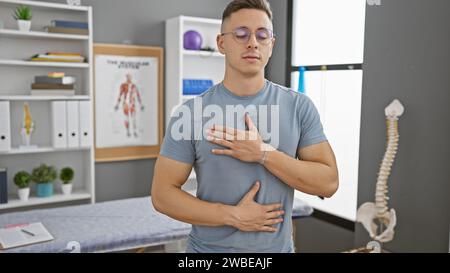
128	85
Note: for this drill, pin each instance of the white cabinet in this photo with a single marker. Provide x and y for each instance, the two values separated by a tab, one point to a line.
188	64
49	113
59	124
85	124
5	129
73	124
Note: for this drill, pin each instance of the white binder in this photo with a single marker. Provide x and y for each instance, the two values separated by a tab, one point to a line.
5	129
85	129
59	125
73	124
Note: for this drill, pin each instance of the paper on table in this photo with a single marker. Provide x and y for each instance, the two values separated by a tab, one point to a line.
24	235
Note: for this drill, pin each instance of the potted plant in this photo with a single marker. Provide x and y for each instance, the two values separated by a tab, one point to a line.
23	16
22	180
66	177
44	176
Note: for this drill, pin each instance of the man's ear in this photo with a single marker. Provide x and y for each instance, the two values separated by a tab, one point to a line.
220	46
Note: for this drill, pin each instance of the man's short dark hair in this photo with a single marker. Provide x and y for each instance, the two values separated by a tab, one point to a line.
237	5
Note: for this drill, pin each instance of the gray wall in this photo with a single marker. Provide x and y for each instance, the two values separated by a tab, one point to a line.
406	57
144	25
141	22
275	70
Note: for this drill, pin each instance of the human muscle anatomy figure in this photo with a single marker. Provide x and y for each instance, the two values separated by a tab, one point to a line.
128	95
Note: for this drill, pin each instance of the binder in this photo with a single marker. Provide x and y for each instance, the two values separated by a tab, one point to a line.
73	124
59	126
5	127
85	129
70	24
3	186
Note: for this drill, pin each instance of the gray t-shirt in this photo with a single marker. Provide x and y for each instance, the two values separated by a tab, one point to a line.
286	119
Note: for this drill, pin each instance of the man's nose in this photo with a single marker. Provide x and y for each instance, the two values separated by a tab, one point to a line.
252	42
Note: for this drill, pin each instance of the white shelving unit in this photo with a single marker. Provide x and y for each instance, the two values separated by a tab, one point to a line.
42	64
41	150
44	5
43	98
56	198
204	54
189	64
40	34
17	74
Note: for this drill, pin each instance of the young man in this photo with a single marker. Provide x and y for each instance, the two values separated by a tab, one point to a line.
245	185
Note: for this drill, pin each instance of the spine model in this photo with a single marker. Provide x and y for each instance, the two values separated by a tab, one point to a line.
381	195
376	217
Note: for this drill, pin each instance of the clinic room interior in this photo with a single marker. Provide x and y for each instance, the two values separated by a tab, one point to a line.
104	145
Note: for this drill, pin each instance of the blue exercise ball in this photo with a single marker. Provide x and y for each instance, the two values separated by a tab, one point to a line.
192	40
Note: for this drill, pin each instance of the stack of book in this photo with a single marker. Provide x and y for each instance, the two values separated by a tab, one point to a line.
68	27
53	84
58	57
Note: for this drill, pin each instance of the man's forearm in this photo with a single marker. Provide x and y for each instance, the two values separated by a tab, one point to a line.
184	207
309	177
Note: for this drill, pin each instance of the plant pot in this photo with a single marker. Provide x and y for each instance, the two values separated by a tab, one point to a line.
24	25
66	189
24	194
44	190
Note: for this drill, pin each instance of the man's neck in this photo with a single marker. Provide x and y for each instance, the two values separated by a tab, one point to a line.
241	85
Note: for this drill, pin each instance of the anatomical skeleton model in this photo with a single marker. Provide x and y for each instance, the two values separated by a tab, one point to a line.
376	217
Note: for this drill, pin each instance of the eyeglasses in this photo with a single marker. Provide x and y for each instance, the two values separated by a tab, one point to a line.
242	35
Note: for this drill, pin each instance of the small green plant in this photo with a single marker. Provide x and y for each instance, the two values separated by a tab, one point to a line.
23	13
22	179
66	175
44	174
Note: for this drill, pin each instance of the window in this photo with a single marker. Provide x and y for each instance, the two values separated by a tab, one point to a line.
326	64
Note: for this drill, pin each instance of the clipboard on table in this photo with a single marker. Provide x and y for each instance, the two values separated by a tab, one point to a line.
23	235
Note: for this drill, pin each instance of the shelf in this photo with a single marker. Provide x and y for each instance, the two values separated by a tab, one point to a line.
205	54
188	97
44	5
43	64
38	34
56	198
182	63
42	98
17	151
199	20
18	72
